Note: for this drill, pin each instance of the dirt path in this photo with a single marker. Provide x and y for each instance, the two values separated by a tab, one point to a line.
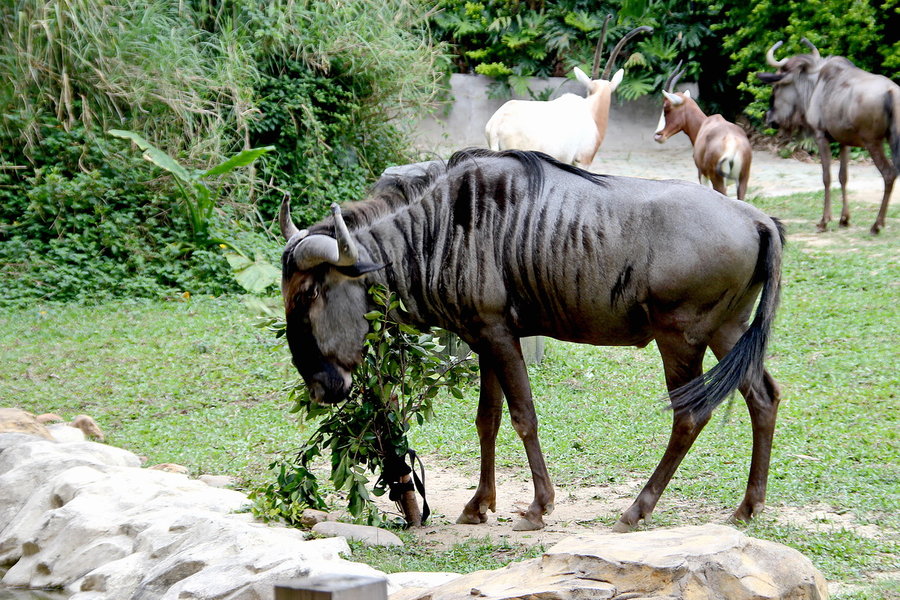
770	175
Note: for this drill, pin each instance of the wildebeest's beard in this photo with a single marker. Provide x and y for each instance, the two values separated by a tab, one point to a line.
326	381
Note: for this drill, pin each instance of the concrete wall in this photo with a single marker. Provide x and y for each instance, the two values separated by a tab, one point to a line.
631	124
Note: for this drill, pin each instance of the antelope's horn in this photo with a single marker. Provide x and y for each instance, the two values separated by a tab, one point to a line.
615	53
673	78
770	56
675	99
598	51
811	46
288	229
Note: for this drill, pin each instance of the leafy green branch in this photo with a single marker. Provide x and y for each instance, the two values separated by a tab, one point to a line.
402	372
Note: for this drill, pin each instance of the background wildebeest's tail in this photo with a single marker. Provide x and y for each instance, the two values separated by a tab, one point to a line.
745	361
892	107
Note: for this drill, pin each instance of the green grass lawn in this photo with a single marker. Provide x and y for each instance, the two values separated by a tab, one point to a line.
196	382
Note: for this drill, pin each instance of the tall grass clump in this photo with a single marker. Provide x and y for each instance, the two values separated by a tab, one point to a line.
330	86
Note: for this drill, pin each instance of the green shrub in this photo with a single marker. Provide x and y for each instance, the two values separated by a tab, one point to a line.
85	225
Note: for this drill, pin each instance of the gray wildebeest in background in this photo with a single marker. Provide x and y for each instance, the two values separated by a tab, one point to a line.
837	102
721	148
499	246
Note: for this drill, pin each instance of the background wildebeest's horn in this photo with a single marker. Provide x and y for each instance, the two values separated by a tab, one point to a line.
674	77
615	53
815	51
770	55
598	51
288	229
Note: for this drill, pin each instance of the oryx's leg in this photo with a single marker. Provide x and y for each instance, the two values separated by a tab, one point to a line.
842	177
490	405
762	399
683	362
503	355
719	183
825	155
743	180
889	174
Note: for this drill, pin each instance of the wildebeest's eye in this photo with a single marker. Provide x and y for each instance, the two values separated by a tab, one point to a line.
311	293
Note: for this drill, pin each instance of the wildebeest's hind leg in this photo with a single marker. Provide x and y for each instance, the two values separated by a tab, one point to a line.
889	174
682	362
762	399
490	405
844	157
502	355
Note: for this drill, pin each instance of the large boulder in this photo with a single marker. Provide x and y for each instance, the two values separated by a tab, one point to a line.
85	517
686	563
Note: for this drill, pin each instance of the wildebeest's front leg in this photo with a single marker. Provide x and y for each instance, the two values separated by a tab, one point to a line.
683	362
502	355
825	155
490	405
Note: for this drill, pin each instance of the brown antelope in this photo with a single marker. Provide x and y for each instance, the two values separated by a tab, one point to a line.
569	128
721	148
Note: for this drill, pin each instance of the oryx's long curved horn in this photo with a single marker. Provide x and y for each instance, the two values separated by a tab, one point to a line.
675	99
815	51
598	51
615	53
673	78
770	56
346	246
288	229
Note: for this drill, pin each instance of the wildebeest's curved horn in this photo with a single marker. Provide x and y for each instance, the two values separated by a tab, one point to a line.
598	51
673	78
815	51
288	229
675	99
615	53
348	255
319	249
770	55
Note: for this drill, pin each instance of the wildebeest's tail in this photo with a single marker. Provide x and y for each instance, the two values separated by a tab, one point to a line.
892	107
745	361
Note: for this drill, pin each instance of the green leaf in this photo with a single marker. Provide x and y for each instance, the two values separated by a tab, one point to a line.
242	159
255	276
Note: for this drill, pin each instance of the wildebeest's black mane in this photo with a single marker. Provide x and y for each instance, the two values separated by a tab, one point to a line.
392	192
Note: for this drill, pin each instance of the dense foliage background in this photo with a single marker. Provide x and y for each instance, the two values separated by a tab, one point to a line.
333	86
329	85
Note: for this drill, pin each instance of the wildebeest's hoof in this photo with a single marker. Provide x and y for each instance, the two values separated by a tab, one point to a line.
470	519
622	527
821	227
528	524
844	222
876	229
745	512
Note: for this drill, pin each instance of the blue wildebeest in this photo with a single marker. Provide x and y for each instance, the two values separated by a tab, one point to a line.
499	246
837	102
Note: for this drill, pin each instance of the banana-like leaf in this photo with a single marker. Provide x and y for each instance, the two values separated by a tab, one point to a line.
155	155
241	159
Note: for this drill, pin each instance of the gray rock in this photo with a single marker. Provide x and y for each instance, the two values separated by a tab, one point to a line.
371	536
218	481
685	563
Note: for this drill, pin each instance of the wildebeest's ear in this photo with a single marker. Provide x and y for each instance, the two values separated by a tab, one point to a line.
770	77
358	269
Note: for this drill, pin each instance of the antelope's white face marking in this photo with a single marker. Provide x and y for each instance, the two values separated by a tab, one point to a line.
662	122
